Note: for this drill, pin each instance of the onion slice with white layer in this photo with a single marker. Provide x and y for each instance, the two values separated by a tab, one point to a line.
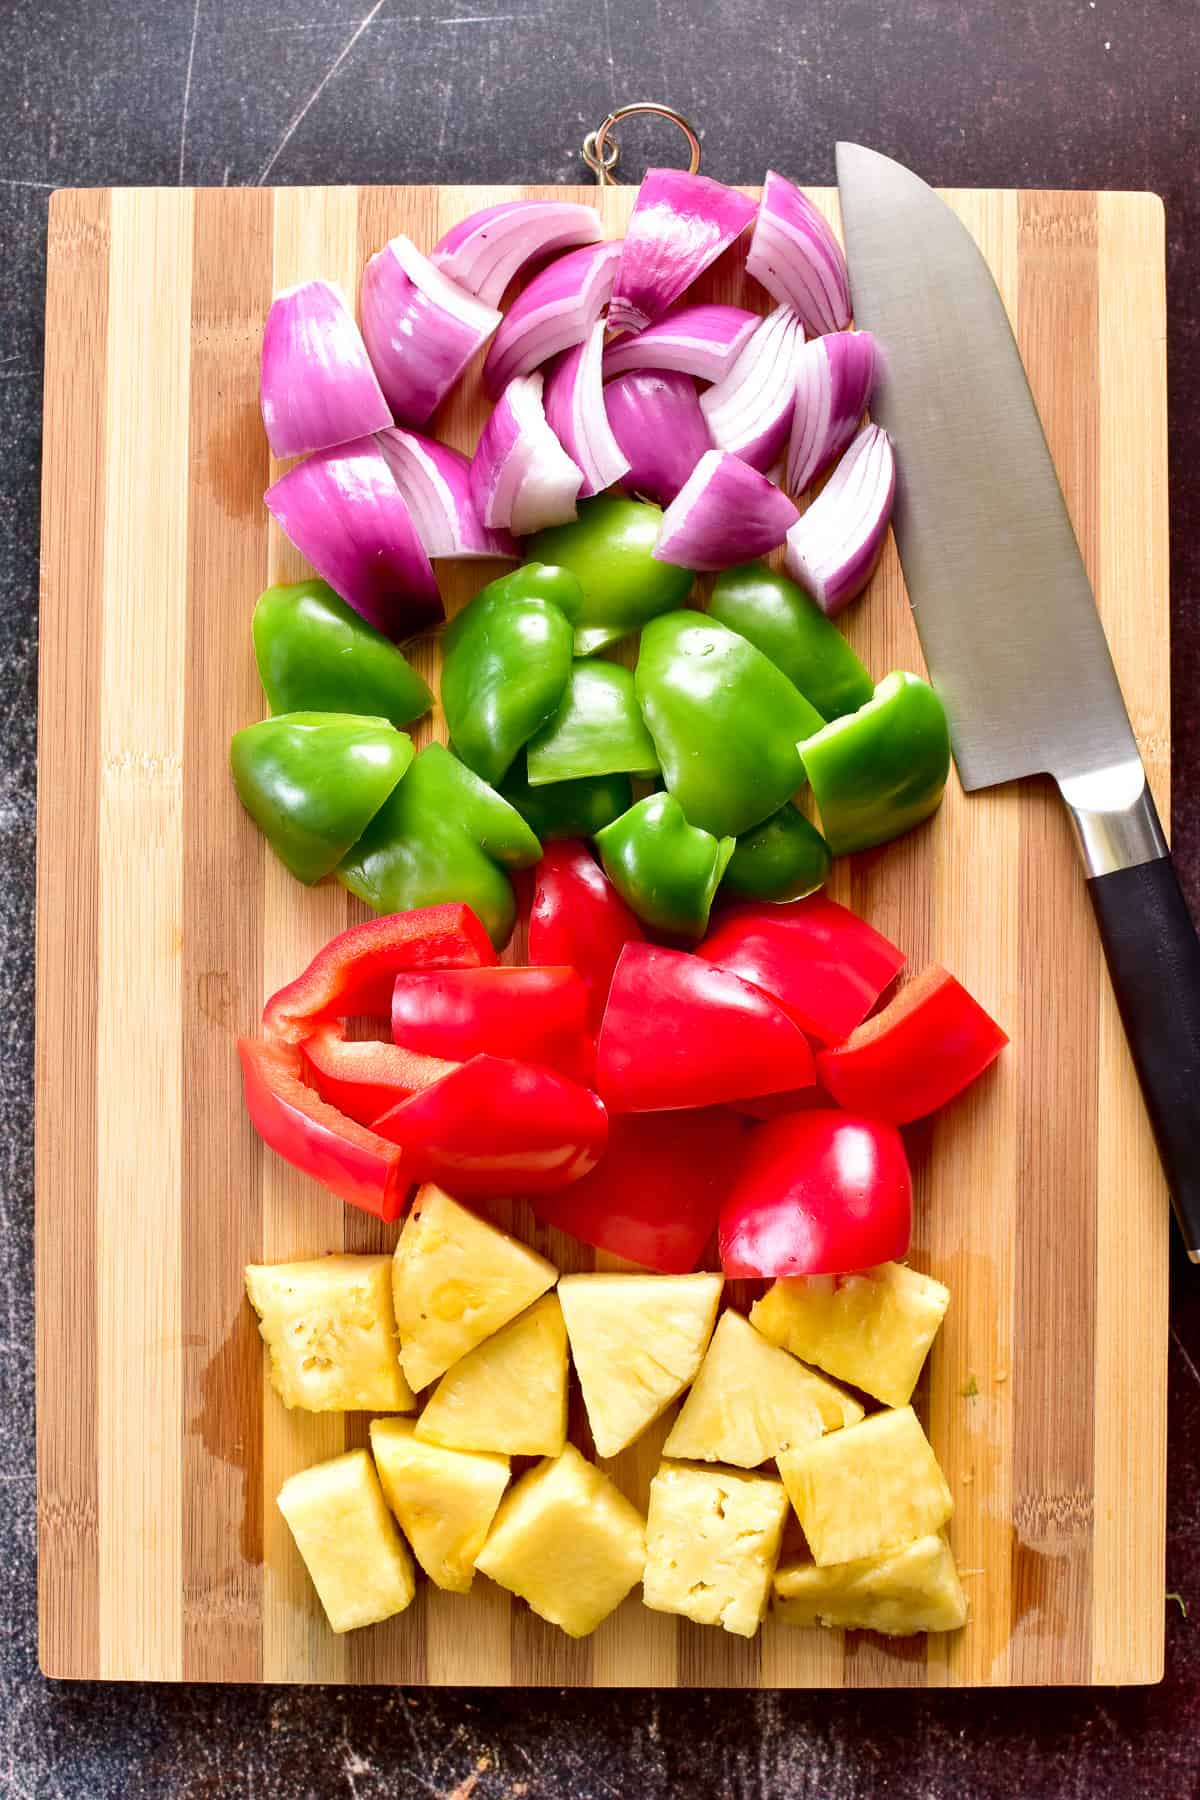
522	479
834	379
488	250
725	513
702	340
575	411
749	411
679	225
317	386
435	484
796	257
421	329
656	419
555	312
833	550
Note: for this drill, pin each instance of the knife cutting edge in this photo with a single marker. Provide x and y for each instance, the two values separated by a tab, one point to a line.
1006	615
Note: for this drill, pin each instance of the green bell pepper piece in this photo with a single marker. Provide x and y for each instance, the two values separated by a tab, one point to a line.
312	782
567	809
787	625
597	730
662	867
725	722
443	835
316	654
881	770
506	659
609	547
784	858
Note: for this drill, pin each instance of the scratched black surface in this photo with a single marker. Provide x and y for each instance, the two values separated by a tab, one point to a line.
1088	93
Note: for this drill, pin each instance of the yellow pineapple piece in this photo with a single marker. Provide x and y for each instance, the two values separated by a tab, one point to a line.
445	1500
358	1561
567	1541
901	1592
712	1542
751	1400
509	1393
636	1340
872	1330
455	1280
331	1334
869	1488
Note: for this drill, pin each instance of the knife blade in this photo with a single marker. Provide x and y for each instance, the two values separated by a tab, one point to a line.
1006	615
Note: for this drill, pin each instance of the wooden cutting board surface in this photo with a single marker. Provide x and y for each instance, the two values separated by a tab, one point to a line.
163	922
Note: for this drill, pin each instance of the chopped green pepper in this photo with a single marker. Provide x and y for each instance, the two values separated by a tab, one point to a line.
597	729
784	858
725	722
443	835
312	782
881	770
567	809
506	659
609	547
662	867
787	625
316	654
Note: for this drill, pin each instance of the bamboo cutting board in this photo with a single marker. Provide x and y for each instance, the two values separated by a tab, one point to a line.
163	922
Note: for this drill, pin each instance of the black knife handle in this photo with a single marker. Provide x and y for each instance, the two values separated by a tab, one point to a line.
1154	959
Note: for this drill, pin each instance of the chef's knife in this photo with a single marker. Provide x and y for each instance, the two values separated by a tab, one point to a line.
1006	615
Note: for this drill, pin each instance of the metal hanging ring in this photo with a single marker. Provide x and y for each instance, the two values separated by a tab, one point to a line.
602	154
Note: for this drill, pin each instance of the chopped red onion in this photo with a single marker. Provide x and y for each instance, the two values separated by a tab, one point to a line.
434	482
749	411
555	312
343	511
421	328
679	225
575	412
486	251
834	378
521	477
725	513
701	340
795	255
833	550
317	386
656	419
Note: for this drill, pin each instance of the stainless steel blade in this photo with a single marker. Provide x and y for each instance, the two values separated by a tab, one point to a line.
1006	615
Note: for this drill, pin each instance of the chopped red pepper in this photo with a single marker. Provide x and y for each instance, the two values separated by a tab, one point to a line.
535	1015
355	972
360	1167
577	917
679	1033
925	1047
824	965
365	1078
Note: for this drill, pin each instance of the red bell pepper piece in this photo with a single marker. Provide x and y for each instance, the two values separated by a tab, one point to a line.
577	917
679	1033
363	1079
534	1015
824	965
496	1126
818	1193
925	1047
361	1168
354	974
656	1192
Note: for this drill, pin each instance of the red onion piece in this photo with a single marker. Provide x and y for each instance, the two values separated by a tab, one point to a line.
656	419
521	477
701	340
317	386
725	513
834	379
833	550
796	257
749	411
421	329
343	511
555	312
679	225
575	412
435	485
486	251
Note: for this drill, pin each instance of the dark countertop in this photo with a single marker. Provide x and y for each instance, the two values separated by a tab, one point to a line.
1087	93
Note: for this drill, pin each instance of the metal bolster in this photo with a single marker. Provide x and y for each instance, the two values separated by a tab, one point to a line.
1113	812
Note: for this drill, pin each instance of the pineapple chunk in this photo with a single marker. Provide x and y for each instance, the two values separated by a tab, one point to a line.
509	1393
329	1328
358	1561
870	1488
455	1280
712	1542
445	1500
902	1592
872	1330
567	1541
750	1401
637	1340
